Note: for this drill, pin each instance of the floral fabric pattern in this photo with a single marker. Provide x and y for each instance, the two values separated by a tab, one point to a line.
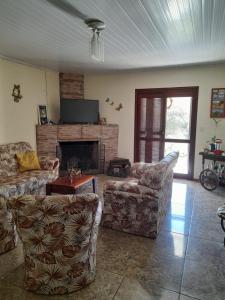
139	169
59	235
8	162
13	183
130	186
139	206
47	163
8	237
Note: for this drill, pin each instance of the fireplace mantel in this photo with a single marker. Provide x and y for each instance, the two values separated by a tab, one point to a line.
49	136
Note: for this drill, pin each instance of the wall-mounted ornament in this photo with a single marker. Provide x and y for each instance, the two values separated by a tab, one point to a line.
119	107
16	93
110	102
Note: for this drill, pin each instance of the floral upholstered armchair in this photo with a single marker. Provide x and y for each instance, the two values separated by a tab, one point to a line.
14	183
59	235
138	204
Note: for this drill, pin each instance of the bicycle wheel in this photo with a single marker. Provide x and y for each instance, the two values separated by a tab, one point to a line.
209	179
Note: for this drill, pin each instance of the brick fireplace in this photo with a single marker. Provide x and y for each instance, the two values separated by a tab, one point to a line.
104	140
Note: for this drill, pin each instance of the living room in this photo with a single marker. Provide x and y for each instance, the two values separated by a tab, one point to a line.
185	260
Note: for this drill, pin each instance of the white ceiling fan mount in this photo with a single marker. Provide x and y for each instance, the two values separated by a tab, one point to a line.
96	25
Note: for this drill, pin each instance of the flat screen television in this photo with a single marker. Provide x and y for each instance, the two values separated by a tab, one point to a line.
73	111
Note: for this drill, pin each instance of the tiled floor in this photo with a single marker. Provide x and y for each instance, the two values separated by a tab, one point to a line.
186	261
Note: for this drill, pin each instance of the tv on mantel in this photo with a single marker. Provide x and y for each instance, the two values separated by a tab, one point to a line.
79	111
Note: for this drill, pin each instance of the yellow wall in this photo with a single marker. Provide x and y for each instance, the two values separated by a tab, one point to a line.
18	120
120	87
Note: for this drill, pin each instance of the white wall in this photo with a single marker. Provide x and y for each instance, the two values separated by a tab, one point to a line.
120	87
18	120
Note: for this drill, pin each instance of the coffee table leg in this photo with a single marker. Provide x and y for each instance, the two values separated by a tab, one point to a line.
48	189
93	184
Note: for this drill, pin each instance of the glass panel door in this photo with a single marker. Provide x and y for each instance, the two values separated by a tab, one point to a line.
182	163
177	130
165	120
178	112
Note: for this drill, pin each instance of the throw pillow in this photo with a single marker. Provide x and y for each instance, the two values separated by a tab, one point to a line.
27	161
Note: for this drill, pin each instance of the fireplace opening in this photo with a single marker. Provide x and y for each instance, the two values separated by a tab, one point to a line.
85	155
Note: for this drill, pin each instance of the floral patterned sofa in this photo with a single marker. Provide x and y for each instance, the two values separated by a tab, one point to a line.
137	205
13	183
59	235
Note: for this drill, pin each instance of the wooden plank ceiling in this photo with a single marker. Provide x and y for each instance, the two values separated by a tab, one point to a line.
139	33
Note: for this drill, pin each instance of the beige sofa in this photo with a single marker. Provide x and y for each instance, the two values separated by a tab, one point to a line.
13	183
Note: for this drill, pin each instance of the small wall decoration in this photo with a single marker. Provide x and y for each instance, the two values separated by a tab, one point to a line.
16	93
218	103
118	108
42	113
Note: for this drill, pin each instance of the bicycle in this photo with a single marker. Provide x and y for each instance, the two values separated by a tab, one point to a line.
211	177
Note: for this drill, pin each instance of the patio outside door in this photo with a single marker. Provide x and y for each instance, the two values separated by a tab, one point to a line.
165	120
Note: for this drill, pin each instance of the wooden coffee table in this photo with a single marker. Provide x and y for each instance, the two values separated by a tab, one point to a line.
62	185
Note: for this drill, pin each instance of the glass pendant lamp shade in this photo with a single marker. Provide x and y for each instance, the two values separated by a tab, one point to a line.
96	42
101	47
96	46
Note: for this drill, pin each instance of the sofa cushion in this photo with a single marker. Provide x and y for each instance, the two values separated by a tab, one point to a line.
130	186
27	161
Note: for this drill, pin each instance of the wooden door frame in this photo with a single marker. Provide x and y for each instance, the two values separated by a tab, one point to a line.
164	93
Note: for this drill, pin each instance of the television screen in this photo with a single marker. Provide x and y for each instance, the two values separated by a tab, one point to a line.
74	111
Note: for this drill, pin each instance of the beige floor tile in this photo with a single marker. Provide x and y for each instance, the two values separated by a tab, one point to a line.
15	293
132	289
207	230
11	260
159	271
183	297
203	281
205	251
176	224
168	244
113	250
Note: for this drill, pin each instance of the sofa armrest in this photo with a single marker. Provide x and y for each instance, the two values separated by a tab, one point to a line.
154	177
48	164
130	187
138	169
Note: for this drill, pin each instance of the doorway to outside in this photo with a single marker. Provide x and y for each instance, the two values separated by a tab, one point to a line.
165	120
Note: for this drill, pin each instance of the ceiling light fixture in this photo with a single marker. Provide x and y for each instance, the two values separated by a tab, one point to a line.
96	43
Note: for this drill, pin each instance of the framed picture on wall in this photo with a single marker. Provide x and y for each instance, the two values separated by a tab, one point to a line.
218	103
42	114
